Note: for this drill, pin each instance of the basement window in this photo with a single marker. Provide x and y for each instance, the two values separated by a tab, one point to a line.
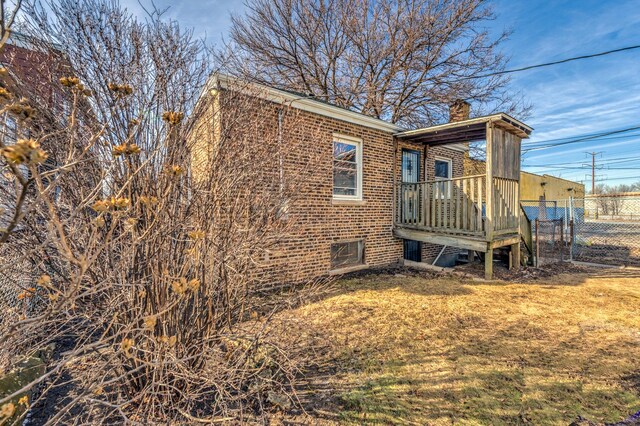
347	168
347	253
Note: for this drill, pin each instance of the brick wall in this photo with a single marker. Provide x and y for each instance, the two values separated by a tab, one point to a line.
321	220
318	220
430	251
428	156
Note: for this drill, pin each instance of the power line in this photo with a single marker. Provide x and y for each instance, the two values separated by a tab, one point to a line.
586	166
619	178
580	139
496	73
571	163
596	136
628	160
566	137
547	64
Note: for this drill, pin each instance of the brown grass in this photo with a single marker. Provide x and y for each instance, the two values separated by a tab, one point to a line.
412	350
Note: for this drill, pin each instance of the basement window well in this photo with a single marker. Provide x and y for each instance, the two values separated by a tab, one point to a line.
346	254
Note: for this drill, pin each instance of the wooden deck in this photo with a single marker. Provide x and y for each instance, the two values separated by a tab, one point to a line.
480	212
453	213
457	209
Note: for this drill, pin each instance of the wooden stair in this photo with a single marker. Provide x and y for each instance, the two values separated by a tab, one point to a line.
526	234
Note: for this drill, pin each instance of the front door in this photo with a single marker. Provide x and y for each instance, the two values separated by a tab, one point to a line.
411	174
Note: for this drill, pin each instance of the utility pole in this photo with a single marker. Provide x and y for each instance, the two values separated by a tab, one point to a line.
593	170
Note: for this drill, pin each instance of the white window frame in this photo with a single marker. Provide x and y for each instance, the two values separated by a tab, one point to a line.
358	144
440	178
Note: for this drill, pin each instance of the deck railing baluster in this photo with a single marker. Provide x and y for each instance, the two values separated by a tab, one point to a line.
455	206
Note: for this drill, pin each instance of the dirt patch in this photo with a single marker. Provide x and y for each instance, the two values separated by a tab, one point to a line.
523	274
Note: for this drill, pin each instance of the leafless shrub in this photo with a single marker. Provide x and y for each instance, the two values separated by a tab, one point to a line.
148	219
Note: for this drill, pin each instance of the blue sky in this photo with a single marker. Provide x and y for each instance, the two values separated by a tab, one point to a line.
574	99
582	97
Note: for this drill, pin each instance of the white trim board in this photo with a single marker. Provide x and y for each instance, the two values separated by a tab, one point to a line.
302	103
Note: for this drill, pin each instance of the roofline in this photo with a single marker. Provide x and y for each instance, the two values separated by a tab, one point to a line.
546	175
22	40
303	103
478	120
561	178
461	147
618	194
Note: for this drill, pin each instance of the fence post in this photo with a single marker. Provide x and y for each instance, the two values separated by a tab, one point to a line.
537	241
571	241
561	239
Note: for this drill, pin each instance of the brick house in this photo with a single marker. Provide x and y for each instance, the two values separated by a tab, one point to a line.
31	70
27	74
384	194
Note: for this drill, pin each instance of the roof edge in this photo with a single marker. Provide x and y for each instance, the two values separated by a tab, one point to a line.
501	116
301	102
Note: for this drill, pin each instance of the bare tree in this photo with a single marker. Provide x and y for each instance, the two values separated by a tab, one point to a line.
145	234
402	61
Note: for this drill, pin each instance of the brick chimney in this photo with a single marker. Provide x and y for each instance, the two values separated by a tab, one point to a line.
459	110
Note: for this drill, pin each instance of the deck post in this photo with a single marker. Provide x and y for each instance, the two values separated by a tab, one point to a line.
488	262
515	256
488	257
489	184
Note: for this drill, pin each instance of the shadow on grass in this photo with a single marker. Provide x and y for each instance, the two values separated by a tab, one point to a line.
469	366
492	397
506	391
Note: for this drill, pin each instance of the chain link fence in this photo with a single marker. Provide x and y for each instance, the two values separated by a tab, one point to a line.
593	229
550	243
18	275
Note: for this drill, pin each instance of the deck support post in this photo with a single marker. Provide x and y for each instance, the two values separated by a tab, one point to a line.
489	225
489	204
515	256
488	262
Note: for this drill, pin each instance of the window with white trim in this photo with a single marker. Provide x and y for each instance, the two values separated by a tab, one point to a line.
9	130
347	168
442	171
348	253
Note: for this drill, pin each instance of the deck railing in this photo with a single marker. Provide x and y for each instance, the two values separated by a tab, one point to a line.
457	206
505	205
526	230
450	206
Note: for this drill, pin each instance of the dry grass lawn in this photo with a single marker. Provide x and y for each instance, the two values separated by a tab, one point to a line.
417	350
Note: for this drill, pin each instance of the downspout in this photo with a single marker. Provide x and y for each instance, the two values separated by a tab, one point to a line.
394	172
280	158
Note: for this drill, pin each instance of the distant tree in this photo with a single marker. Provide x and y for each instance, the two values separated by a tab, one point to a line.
611	199
404	61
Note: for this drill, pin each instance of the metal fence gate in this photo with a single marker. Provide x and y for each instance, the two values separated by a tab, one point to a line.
550	242
593	229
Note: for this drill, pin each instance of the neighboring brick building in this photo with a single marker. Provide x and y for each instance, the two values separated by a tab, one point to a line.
347	220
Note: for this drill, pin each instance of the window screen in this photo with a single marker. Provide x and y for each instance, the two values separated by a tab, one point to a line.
345	169
443	172
9	131
443	169
346	254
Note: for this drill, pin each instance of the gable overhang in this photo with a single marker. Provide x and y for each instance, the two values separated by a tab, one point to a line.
472	130
301	102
